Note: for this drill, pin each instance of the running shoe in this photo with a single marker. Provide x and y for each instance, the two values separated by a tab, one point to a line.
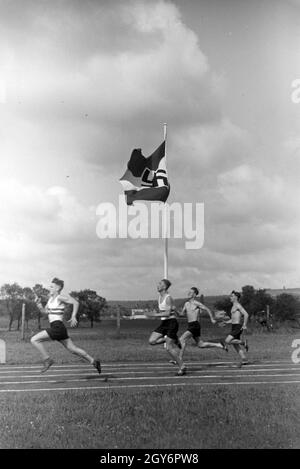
97	365
181	372
47	363
244	362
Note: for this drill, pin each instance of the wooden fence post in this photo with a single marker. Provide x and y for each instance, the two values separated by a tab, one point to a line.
23	322
2	352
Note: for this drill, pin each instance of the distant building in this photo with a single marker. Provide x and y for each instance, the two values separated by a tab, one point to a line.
140	313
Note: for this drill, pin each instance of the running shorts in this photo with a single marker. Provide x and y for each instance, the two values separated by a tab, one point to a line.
195	329
57	331
168	327
236	331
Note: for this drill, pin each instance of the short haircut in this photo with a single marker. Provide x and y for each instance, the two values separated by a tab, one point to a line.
58	282
167	283
237	294
195	290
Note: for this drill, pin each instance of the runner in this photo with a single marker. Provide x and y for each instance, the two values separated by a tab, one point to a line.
57	330
192	308
166	332
234	338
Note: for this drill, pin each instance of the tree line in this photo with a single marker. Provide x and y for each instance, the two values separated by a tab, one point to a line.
283	307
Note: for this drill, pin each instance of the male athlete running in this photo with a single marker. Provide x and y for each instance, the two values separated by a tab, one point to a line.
234	338
166	332
192	308
57	330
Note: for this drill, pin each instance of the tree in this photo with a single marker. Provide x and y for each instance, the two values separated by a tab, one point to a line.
223	304
248	299
124	311
286	307
90	304
12	294
43	295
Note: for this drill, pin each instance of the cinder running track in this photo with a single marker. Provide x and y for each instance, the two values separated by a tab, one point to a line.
27	378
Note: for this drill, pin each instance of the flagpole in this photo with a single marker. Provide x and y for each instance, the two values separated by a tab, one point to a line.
165	216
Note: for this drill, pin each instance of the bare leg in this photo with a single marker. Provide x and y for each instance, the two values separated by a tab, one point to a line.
183	340
240	351
202	344
71	347
156	338
37	340
173	351
230	340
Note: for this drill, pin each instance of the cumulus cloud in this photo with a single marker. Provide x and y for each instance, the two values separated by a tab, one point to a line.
50	216
82	83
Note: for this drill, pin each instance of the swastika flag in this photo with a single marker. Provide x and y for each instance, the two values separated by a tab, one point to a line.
146	178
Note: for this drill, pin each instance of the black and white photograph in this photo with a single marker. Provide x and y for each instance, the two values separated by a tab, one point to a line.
149	228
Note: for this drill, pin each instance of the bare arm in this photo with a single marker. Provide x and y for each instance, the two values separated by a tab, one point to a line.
205	308
71	301
229	321
183	311
245	316
40	306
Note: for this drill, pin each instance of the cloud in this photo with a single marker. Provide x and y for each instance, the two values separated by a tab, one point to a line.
203	150
166	79
38	216
84	83
247	194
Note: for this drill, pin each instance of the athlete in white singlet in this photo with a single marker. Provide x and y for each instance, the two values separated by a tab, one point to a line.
166	332
57	330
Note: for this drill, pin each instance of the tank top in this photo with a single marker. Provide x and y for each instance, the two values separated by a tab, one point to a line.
55	309
163	306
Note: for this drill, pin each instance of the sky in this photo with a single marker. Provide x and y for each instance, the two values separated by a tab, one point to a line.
83	83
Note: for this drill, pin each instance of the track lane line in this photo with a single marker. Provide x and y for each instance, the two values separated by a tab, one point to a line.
140	386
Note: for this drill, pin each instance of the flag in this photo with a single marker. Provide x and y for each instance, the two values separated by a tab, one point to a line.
146	178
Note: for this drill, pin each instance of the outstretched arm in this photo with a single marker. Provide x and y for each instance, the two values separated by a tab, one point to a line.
205	308
38	302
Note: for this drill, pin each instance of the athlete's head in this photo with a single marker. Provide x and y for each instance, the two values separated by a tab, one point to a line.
193	293
163	285
235	296
56	285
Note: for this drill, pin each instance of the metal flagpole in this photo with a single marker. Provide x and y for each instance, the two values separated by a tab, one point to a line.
166	234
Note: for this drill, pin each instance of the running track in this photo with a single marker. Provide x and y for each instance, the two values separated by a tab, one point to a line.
27	378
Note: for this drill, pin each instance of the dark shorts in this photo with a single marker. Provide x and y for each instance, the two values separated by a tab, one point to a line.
57	331
168	327
236	331
195	329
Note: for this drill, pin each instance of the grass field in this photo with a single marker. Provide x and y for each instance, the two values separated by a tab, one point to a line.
234	416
